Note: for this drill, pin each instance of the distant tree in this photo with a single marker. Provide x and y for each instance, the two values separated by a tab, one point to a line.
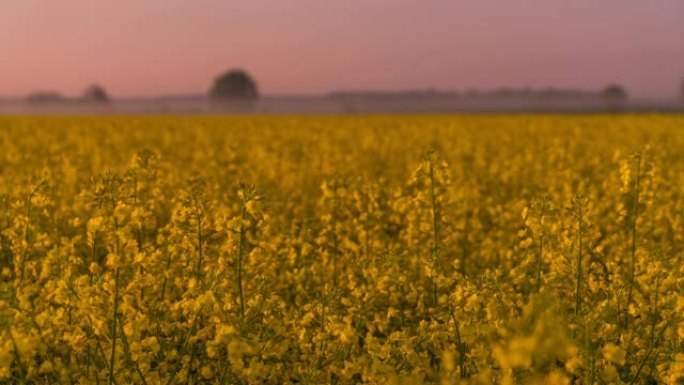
681	90
614	93
45	97
95	94
234	85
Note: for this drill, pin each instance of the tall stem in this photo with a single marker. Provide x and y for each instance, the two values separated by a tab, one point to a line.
578	299
239	261
92	259
336	243
112	357
540	255
27	235
115	309
635	213
138	232
435	232
198	216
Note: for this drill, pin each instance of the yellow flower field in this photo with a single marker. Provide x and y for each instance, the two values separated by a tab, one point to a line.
342	250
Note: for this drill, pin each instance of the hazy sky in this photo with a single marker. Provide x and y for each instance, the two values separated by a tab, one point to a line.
149	47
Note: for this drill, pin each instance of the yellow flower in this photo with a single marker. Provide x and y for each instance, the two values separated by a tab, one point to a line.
94	268
206	372
113	260
614	353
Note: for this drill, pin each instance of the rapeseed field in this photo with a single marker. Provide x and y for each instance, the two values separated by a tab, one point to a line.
342	250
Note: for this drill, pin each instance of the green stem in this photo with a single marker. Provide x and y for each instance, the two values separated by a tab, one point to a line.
127	350
92	259
540	255
181	350
27	236
648	354
635	213
115	309
198	214
578	299
654	315
461	347
112	356
435	232
162	293
17	355
336	245
239	261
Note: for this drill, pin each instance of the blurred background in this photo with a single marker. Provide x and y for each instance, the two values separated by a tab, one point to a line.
353	56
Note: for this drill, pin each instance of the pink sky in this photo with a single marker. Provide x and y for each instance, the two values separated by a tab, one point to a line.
151	47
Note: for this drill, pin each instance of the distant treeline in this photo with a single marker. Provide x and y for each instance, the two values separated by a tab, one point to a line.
230	86
92	94
236	90
612	92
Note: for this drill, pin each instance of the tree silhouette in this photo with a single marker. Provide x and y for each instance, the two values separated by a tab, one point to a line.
614	93
95	94
234	84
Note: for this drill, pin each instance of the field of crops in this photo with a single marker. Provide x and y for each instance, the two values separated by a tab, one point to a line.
342	250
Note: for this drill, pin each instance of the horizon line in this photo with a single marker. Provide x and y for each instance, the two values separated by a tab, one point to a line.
357	91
